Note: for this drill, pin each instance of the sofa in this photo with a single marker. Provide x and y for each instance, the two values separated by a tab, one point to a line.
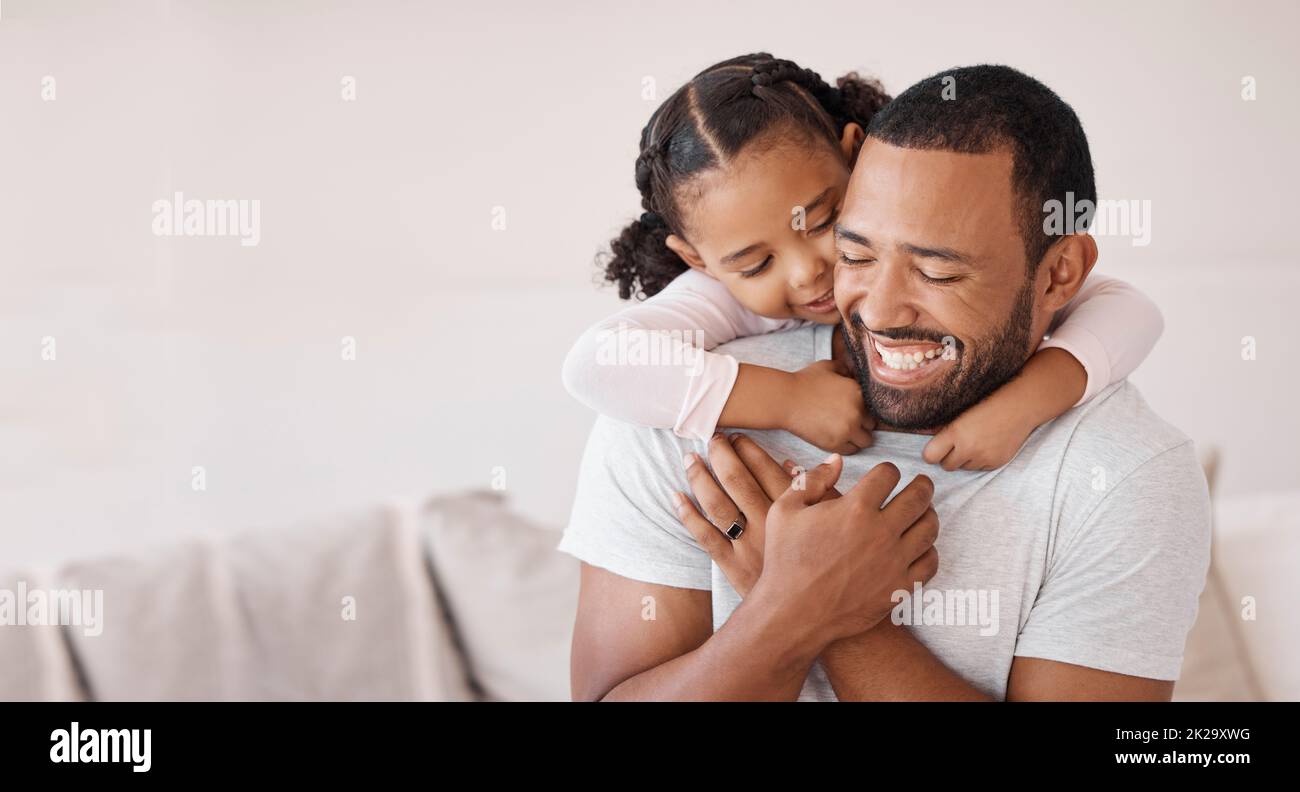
459	598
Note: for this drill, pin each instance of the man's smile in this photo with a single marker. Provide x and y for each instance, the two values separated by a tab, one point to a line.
905	364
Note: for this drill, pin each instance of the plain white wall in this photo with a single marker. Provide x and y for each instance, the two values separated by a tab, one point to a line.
376	223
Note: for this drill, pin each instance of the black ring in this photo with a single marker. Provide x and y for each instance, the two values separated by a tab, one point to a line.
737	528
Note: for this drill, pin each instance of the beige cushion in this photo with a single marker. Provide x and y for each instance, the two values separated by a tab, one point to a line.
1256	554
261	615
512	596
1214	661
34	661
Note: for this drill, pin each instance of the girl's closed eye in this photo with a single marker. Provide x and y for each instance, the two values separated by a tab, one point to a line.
758	270
826	226
766	263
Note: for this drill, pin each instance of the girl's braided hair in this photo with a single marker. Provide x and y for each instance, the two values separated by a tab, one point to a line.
703	125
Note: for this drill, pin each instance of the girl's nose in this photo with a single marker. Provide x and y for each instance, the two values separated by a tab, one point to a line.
807	271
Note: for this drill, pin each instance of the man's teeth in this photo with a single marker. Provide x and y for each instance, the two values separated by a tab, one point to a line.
906	361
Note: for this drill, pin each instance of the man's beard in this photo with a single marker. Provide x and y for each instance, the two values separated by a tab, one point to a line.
977	372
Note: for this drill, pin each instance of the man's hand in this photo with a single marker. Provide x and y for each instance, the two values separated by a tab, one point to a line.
841	558
753	480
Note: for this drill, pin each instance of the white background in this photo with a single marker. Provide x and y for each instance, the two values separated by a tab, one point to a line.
376	223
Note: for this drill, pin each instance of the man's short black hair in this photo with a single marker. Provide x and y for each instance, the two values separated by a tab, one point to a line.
980	109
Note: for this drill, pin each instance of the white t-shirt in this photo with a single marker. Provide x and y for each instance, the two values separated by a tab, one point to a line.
1090	547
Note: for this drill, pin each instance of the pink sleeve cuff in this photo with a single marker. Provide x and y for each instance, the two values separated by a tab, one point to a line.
710	384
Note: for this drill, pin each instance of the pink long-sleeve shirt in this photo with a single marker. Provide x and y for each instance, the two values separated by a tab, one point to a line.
651	363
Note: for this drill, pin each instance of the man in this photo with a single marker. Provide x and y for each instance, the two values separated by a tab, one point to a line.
1072	572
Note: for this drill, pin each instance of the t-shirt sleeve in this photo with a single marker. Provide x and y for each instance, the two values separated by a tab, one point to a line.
623	519
1121	591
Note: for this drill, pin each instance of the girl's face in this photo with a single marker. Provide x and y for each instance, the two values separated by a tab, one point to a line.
764	225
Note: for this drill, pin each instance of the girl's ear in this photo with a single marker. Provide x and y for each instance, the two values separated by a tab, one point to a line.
686	251
851	141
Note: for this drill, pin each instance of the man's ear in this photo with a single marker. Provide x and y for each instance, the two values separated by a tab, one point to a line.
686	251
851	141
1067	263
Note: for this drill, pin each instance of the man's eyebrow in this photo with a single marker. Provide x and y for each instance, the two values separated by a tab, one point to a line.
946	254
920	251
843	233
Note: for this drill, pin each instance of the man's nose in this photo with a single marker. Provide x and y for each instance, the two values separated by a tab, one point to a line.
887	301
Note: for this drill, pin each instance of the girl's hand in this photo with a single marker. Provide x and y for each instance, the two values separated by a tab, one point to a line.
985	437
990	434
825	408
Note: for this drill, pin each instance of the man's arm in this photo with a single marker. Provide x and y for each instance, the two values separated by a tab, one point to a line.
641	641
655	640
887	663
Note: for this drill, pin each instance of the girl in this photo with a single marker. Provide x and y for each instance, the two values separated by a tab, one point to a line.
725	121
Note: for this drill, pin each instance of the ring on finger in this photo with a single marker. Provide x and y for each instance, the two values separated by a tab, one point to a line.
736	528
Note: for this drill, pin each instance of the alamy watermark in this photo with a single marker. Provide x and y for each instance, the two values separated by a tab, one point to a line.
1101	218
53	607
122	746
946	607
177	216
636	346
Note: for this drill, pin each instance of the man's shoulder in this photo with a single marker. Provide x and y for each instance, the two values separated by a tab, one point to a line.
614	446
623	519
1119	425
1115	437
787	350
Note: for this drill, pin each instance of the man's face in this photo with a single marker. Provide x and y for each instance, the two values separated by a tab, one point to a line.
932	283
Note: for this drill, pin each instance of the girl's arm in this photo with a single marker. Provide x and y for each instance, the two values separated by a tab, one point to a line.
650	364
1098	338
1109	327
